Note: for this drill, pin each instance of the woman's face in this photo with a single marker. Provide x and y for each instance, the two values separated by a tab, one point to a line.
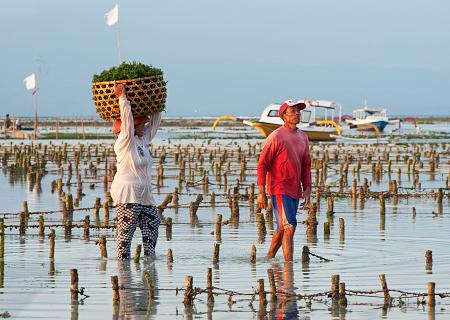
139	130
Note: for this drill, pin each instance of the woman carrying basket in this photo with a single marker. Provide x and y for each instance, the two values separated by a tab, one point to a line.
131	187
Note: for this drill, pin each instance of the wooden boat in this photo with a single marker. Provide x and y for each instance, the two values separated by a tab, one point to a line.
369	119
324	129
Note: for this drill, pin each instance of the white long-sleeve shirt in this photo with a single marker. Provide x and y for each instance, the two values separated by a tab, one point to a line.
132	182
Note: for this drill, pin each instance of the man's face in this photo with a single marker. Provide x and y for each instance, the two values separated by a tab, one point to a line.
292	115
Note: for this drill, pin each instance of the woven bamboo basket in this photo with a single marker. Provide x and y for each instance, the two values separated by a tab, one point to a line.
146	95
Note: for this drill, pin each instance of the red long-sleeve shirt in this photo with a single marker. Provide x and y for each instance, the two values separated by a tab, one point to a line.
286	162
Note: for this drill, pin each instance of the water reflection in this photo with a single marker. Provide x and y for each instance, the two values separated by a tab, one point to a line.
74	310
431	313
134	299
2	272
285	307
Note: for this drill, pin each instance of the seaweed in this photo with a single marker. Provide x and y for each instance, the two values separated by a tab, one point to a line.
127	70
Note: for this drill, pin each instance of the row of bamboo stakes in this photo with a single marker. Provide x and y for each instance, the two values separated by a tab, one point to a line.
311	222
60	155
305	256
338	292
32	162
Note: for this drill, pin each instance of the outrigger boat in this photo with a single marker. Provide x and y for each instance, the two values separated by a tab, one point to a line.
366	119
324	129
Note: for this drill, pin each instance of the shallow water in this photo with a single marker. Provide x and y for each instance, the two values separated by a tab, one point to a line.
395	248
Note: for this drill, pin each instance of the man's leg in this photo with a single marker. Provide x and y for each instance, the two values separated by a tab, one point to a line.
276	243
288	243
278	234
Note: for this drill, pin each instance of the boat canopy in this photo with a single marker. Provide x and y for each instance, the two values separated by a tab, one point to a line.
364	112
315	110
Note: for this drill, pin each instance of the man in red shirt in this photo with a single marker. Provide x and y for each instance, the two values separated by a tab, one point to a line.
285	164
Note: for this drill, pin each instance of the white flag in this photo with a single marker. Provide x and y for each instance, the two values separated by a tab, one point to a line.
30	82
112	16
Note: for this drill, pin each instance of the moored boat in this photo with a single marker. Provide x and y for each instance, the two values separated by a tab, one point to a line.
366	119
316	120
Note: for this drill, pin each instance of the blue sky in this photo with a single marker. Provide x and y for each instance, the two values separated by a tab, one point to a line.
233	57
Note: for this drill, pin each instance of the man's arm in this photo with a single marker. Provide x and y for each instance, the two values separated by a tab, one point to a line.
306	177
262	197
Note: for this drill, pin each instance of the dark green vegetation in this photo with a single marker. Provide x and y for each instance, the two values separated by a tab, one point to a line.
52	135
130	70
399	136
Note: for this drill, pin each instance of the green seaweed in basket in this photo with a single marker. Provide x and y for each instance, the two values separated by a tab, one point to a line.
126	70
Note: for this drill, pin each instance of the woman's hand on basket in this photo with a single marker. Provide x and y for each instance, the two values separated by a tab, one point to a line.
119	90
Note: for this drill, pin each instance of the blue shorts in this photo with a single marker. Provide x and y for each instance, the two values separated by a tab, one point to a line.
285	210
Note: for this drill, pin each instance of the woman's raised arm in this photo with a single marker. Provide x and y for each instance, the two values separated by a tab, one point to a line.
126	117
152	126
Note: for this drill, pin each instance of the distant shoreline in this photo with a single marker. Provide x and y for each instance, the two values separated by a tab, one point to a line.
178	122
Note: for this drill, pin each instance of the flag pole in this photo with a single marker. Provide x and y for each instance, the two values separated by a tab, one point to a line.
118	38
36	111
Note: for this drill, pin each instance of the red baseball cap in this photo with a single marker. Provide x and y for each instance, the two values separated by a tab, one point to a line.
136	120
290	103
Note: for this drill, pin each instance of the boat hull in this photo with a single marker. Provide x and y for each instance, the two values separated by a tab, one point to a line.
314	134
379	124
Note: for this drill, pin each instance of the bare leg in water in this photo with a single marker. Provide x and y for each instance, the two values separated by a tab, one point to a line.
288	244
276	243
285	239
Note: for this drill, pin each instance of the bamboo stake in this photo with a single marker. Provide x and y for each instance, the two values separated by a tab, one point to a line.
188	291
209	286
105	214
102	244
341	230
216	251
431	294
41	226
330	206
169	257
311	221
150	286
74	284
342	298
305	254
261	294
86	226
169	229
218	227
212	199
52	237
382	204
261	227
2	239
335	286
25	209
115	288
384	287
97	212
273	287
23	224
175	197
253	254
428	260
326	230
137	254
